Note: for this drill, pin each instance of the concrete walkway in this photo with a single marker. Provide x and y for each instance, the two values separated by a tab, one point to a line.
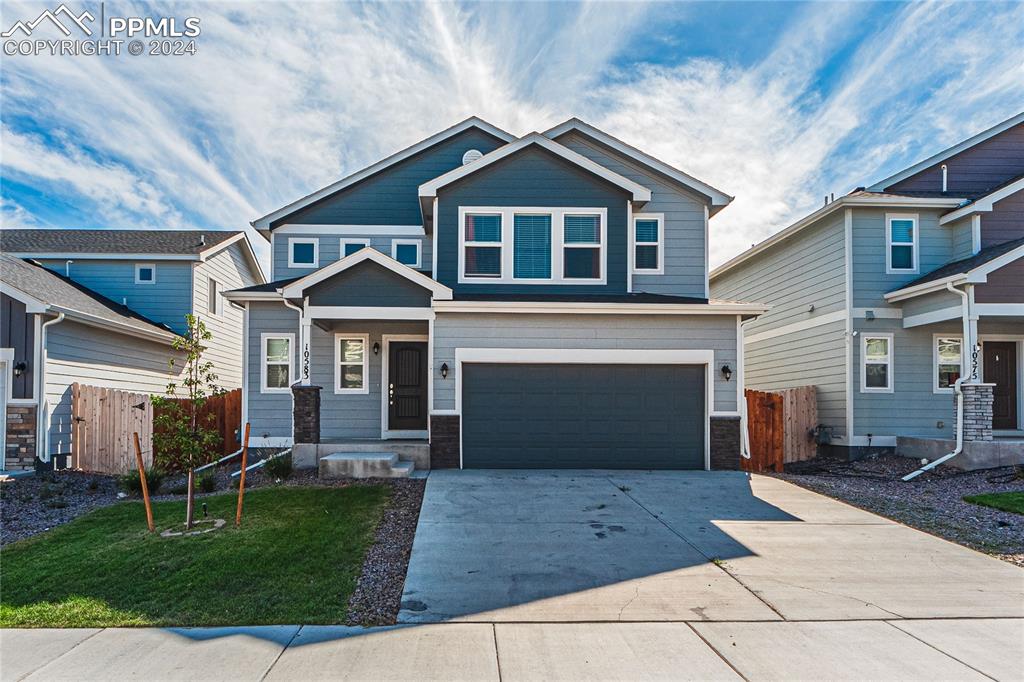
931	650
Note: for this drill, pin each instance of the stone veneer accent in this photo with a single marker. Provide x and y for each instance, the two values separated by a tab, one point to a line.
725	443
444	441
306	413
20	437
977	411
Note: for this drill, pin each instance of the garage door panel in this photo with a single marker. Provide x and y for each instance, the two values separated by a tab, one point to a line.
583	416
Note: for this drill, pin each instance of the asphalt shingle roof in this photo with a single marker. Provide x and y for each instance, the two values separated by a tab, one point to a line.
966	264
164	242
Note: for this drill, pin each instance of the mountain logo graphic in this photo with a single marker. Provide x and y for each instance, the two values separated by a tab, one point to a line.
28	27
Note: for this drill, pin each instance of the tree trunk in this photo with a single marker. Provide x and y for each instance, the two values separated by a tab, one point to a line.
190	505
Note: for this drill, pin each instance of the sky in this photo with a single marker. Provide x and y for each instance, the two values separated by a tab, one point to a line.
777	104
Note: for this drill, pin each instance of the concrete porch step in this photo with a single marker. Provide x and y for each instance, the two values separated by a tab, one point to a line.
364	465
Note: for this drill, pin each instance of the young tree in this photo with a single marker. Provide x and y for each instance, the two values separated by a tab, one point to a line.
183	436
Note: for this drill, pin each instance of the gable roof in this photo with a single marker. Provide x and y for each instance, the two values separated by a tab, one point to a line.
985	203
295	288
973	269
947	153
428	190
719	199
263	224
46	291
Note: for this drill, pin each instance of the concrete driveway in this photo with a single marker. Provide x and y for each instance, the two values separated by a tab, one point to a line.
584	546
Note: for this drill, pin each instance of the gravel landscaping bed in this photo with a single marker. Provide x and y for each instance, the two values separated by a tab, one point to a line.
933	502
33	504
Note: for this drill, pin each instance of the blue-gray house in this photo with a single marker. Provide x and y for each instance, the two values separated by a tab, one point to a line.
483	300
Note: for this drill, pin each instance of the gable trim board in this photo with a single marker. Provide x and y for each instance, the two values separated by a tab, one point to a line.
719	199
350	230
947	153
984	204
263	224
976	275
428	190
295	289
583	307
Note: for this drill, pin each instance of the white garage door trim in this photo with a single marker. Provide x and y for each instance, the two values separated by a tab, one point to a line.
591	356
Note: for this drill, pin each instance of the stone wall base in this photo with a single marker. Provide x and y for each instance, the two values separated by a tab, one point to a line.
725	443
21	425
444	441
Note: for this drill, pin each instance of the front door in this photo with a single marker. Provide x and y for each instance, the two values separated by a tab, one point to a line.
407	386
1000	358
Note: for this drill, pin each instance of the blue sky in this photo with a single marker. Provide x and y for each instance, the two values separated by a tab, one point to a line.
775	103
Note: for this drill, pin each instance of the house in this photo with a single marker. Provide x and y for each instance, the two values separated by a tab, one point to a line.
483	300
102	307
886	297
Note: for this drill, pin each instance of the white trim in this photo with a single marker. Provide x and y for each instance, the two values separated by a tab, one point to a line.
218	302
739	374
947	153
264	337
246	346
975	234
890	363
1000	309
363	242
884	313
250	255
252	295
914	243
924	288
140	266
472	122
816	321
343	312
707	253
32	304
617	356
348	336
630	254
292	241
935	361
433	238
942	315
585	308
718	197
430	188
386	339
976	275
295	289
660	244
351	230
395	243
1019	340
848	336
507	244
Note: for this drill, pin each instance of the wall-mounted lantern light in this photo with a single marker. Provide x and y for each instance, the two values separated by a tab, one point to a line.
444	370
19	368
727	372
376	348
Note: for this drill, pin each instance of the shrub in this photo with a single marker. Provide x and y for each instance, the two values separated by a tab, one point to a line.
132	485
207	482
279	467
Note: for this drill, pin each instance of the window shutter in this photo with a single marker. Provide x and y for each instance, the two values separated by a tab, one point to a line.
532	253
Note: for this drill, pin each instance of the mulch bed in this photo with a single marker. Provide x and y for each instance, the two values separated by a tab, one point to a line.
933	502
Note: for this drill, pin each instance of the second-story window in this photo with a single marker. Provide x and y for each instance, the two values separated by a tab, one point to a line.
212	296
648	243
901	243
303	253
582	247
406	252
145	273
350	246
482	235
531	246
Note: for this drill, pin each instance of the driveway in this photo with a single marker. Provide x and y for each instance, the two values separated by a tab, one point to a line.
585	546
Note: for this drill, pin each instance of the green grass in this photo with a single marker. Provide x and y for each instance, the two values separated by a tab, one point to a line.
296	559
1010	502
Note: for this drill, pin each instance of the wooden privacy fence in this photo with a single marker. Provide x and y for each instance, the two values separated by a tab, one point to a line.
104	419
779	425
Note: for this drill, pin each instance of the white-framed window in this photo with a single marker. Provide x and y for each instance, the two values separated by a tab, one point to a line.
406	251
213	297
145	273
533	245
901	243
948	361
351	363
277	365
876	365
350	245
648	243
303	252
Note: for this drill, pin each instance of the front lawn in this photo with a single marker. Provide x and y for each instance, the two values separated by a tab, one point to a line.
296	559
1009	502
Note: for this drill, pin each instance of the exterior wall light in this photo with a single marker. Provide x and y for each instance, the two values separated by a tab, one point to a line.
727	372
20	368
444	370
376	348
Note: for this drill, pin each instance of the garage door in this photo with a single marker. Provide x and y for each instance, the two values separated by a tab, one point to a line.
580	416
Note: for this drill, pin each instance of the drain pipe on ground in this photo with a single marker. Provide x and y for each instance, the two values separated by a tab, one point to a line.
956	389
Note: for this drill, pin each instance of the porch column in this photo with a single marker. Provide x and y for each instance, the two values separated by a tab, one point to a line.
977	411
305	356
306	414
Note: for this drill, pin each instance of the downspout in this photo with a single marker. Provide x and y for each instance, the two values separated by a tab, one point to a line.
965	306
301	313
744	433
43	416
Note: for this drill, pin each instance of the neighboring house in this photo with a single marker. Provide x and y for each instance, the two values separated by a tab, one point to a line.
482	300
879	297
124	295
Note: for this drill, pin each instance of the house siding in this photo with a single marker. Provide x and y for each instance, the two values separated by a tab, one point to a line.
1005	222
368	284
18	332
1005	285
962	236
684	226
532	178
646	332
269	413
930	303
329	247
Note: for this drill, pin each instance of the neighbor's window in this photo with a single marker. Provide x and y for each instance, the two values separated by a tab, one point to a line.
145	273
277	362
351	369
212	296
350	246
406	252
647	243
901	233
531	244
876	364
482	244
581	247
948	361
303	253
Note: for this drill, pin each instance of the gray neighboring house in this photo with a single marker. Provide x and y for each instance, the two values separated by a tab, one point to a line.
483	300
101	307
880	297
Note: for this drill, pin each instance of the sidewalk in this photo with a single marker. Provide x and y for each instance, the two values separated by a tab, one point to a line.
962	649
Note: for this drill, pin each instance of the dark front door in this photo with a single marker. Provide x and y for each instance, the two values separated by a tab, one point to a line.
1000	358
407	386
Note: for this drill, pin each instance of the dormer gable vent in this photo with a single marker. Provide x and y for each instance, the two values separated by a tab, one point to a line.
471	155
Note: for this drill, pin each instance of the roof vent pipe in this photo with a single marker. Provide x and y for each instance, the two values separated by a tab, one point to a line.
202	240
945	175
